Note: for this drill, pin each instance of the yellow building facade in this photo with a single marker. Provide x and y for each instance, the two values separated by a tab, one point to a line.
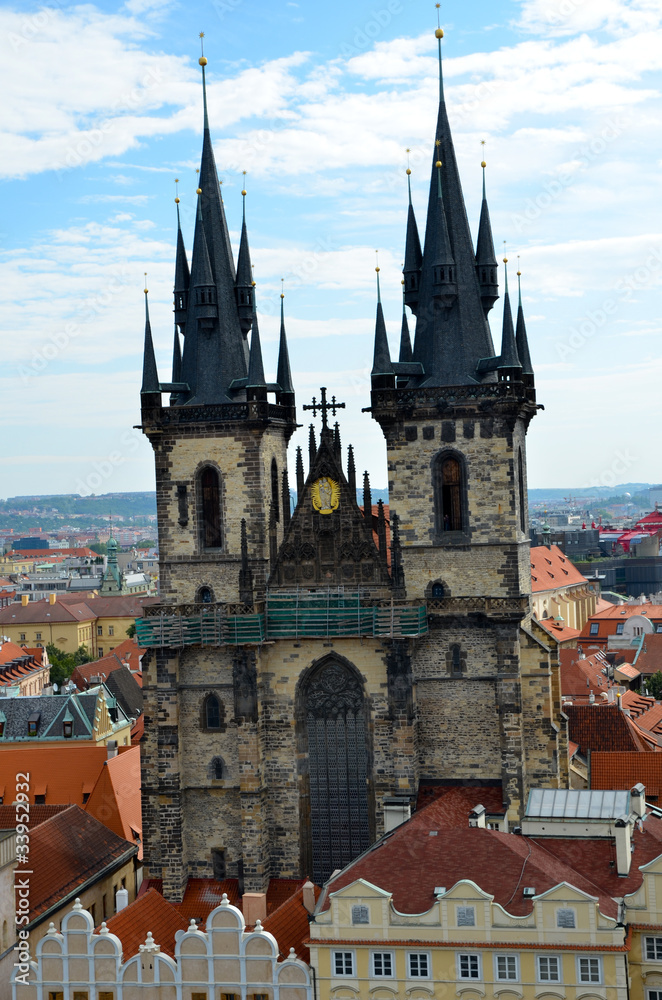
466	945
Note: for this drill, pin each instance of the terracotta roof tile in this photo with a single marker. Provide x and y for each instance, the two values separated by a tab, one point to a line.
459	800
616	770
551	569
38	814
289	923
601	727
67	850
115	799
68	772
149	912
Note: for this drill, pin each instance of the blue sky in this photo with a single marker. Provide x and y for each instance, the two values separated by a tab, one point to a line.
318	103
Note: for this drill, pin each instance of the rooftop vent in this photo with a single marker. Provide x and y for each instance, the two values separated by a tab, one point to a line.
528	890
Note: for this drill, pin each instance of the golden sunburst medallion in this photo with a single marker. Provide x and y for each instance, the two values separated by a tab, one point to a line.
326	495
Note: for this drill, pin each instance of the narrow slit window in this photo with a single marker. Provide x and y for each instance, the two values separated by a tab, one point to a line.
211	508
451	495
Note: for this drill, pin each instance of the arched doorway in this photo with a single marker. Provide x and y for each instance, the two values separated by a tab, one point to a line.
334	724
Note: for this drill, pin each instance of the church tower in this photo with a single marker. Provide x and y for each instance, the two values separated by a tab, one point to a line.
308	669
455	415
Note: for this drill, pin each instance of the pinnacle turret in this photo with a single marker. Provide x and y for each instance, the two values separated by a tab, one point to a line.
413	255
405	354
486	263
509	363
382	369
256	385
244	282
150	383
182	277
522	340
283	373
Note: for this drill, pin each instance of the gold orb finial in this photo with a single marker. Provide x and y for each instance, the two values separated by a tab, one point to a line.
282	288
518	270
176	191
483	164
505	259
439	33
202	61
198	190
253	283
402	282
438	163
243	191
145	273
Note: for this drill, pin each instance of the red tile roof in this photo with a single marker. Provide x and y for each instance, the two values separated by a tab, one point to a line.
614	770
602	727
149	912
66	851
44	612
115	799
79	553
559	630
414	859
459	800
290	926
66	772
583	675
551	569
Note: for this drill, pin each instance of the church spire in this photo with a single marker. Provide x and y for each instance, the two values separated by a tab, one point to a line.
243	285
521	338
256	385
486	263
182	274
176	358
405	340
509	363
452	334
413	255
382	369
150	374
283	372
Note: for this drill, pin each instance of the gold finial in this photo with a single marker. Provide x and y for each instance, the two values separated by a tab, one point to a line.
402	282
198	190
243	190
145	273
482	162
437	142
518	270
439	33
438	163
408	151
202	60
253	283
282	288
176	191
377	269
505	259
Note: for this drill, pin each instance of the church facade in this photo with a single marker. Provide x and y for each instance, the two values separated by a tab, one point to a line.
309	669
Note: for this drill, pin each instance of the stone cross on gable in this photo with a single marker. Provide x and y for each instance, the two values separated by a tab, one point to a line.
323	406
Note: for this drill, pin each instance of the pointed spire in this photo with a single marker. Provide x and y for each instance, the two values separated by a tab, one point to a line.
285	497
300	476
486	263
203	62
255	365
509	361
351	471
283	372
336	442
150	374
381	529
312	447
244	283
201	275
413	254
176	358
445	286
439	34
367	500
520	334
405	340
382	369
182	273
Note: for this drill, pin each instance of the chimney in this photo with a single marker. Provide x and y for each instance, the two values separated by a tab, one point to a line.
623	851
638	800
25	600
254	906
309	896
52	598
121	899
111	748
477	817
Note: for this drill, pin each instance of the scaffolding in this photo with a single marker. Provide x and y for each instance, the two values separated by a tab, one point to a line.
324	614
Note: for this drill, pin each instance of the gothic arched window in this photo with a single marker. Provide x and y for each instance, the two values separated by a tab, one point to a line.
450	493
274	489
217	768
210	508
212	712
335	731
205	595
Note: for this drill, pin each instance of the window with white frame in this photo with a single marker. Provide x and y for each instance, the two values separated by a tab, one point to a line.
565	917
466	916
505	968
418	965
360	915
343	963
653	994
653	949
589	970
382	963
549	969
468	966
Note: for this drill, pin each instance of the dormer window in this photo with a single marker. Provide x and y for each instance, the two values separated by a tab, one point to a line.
33	723
68	729
2	727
